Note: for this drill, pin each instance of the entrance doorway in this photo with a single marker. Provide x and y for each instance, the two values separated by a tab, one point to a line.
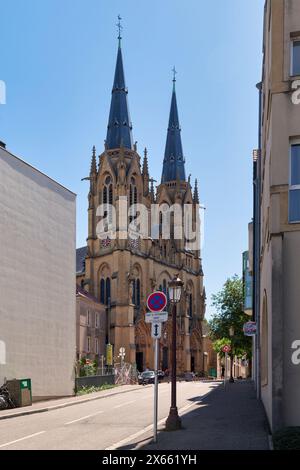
139	358
165	358
192	364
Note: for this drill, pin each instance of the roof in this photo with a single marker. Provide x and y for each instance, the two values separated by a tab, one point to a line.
80	259
173	167
119	129
83	293
5	151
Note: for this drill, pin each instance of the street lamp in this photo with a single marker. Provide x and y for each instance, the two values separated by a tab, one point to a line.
175	289
231	334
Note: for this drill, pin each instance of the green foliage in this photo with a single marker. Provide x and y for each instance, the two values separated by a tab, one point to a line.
287	439
229	305
87	367
92	389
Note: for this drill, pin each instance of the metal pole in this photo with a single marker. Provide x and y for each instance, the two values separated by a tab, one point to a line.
155	389
173	422
226	355
174	365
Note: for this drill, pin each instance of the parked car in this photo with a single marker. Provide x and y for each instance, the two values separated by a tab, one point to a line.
147	377
160	374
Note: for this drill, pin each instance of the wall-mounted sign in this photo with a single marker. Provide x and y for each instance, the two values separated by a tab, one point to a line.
249	328
109	355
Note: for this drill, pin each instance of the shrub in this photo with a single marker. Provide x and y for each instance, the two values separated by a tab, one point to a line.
91	389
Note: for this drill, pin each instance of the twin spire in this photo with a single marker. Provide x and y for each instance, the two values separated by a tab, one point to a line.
119	129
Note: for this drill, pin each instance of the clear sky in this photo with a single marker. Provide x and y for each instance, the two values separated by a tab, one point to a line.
58	59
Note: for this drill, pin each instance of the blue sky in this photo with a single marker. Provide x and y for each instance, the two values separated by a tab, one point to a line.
58	59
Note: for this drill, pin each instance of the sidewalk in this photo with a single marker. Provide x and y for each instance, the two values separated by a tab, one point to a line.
230	419
48	405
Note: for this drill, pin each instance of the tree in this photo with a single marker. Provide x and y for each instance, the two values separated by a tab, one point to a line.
229	305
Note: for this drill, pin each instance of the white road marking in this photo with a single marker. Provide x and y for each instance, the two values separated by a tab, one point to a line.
84	417
21	439
124	404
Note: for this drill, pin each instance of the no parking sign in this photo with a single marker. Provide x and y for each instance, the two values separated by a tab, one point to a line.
157	301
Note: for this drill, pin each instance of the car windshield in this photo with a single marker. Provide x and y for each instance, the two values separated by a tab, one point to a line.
148	374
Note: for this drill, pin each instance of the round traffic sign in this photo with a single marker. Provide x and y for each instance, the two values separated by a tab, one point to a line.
157	301
226	348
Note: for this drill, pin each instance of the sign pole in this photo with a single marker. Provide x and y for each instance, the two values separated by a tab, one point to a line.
225	375
155	390
156	302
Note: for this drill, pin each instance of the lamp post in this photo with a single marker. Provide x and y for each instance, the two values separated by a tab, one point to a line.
231	334
175	289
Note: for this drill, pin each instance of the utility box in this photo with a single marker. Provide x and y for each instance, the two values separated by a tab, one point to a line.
20	391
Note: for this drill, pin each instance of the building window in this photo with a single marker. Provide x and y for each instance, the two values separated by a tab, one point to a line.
296	58
96	346
88	318
294	192
264	338
190	305
107	197
88	344
97	320
136	292
107	299
102	291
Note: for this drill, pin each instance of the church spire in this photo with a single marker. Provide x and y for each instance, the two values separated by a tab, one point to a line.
173	166
196	194
119	125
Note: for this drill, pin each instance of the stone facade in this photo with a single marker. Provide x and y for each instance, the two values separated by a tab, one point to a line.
277	242
90	326
121	273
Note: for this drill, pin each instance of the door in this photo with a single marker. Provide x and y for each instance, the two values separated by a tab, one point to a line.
165	362
139	361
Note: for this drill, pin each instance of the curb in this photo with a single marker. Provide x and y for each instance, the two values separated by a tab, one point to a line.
63	405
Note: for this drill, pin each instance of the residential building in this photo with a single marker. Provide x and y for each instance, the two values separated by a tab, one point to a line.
277	216
90	327
121	273
37	285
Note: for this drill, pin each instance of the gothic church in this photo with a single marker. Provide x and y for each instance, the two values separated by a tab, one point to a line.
121	273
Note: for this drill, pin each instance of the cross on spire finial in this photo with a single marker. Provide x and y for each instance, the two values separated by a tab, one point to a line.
174	76
120	27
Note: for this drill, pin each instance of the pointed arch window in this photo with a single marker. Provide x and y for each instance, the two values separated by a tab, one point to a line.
136	292
105	291
102	291
107	196
133	197
190	304
132	192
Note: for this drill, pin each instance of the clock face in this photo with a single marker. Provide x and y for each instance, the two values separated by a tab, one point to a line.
106	242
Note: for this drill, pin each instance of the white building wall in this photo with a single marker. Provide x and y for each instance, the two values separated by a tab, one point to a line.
37	282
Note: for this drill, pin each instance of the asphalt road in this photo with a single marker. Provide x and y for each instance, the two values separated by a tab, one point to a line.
108	423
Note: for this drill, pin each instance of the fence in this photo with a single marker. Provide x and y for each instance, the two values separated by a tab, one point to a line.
94	381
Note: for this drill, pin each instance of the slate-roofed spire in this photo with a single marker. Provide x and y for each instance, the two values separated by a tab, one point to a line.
119	129
173	167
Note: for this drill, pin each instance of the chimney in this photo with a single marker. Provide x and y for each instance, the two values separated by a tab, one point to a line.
2	144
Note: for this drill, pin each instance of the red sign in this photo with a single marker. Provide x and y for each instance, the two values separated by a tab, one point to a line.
226	348
157	301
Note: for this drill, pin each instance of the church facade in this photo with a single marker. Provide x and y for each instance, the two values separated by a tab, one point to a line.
122	271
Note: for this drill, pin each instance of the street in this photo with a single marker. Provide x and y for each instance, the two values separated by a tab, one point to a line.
109	423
